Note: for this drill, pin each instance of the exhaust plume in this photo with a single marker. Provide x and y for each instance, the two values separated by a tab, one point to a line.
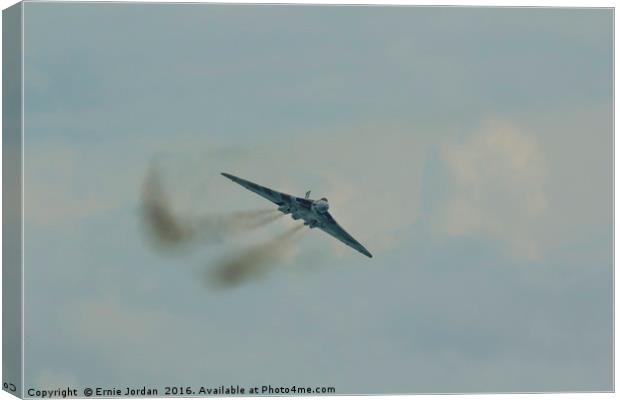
169	230
254	262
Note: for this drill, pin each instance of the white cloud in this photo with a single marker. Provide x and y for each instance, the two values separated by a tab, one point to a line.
497	179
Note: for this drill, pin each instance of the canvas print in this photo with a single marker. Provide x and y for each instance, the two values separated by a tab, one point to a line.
272	199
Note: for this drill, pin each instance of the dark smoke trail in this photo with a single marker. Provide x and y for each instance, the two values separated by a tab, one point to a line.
163	226
254	262
218	227
170	231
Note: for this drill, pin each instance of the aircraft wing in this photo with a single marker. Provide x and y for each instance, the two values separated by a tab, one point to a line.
331	226
272	195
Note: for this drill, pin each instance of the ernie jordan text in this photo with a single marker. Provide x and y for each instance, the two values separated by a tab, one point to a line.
128	391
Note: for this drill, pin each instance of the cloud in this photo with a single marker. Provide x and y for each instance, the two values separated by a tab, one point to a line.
497	181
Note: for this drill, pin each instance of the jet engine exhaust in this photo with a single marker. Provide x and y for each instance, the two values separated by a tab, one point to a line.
171	231
254	262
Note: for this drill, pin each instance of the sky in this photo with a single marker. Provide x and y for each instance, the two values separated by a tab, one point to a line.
469	149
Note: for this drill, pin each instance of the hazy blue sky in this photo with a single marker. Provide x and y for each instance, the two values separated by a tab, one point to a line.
469	149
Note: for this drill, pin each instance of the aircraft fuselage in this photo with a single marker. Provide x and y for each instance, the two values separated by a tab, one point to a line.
310	211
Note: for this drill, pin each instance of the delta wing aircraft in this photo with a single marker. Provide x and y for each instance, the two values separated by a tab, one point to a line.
313	212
